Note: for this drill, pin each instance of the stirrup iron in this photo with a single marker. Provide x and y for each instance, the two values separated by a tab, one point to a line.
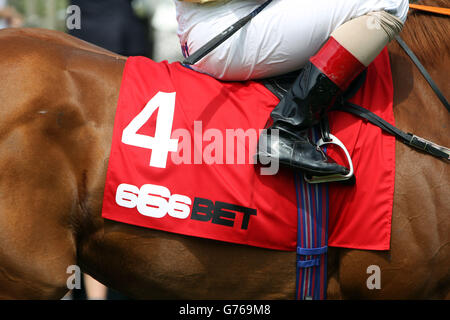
334	177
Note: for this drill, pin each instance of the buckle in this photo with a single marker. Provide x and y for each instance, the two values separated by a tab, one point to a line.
430	147
334	177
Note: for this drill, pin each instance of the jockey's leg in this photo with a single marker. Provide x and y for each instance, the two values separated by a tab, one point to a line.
349	50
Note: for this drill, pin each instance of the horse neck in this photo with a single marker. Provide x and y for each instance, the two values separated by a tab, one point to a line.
414	101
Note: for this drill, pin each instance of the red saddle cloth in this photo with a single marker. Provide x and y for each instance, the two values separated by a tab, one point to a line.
178	143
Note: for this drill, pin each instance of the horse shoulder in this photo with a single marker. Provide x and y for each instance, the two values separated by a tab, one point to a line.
57	105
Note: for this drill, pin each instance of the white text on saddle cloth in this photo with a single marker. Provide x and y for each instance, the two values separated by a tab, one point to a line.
156	202
210	146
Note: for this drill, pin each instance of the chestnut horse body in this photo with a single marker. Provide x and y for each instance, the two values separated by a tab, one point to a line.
57	104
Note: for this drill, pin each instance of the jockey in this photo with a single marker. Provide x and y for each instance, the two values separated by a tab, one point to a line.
332	40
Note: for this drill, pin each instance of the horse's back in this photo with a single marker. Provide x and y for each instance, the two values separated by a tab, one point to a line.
54	71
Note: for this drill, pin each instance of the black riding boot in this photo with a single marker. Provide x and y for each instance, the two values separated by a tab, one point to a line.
302	107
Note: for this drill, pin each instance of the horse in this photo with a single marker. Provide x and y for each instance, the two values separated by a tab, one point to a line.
57	105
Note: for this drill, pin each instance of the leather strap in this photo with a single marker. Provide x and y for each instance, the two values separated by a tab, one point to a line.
407	138
223	36
424	72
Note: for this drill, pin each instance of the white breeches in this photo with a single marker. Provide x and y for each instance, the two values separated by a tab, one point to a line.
280	39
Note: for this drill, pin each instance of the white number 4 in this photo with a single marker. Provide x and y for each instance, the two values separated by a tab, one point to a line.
161	144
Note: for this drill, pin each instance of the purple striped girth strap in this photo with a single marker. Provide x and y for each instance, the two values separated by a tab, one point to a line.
312	240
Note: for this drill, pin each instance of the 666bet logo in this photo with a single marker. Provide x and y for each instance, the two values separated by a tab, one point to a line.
150	200
157	201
